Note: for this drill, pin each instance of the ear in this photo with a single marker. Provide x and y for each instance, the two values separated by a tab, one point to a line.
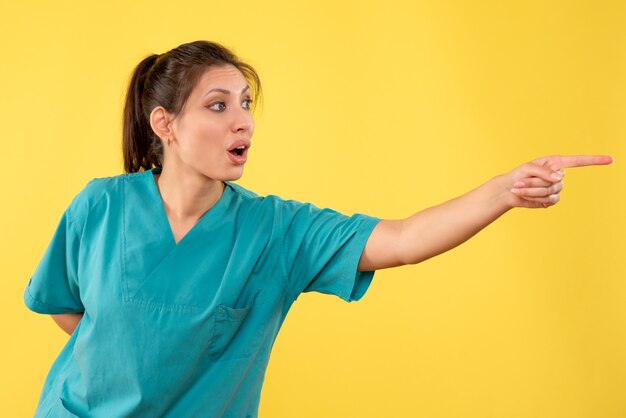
160	121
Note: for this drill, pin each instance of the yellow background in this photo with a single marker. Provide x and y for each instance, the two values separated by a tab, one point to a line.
383	108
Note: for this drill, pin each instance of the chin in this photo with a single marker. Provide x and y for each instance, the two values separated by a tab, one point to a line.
232	178
233	175
226	174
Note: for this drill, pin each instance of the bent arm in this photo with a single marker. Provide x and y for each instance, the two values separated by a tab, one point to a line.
68	322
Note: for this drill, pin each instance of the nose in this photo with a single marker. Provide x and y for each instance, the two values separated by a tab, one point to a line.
243	121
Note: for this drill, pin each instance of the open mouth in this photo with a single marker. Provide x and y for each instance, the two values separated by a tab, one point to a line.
239	155
238	151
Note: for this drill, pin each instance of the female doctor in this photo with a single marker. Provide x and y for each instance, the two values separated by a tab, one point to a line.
173	281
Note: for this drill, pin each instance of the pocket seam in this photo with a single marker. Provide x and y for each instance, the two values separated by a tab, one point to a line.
164	307
225	318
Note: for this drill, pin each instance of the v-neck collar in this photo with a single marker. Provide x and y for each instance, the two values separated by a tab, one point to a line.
209	218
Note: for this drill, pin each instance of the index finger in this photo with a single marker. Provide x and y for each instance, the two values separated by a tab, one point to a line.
584	160
555	162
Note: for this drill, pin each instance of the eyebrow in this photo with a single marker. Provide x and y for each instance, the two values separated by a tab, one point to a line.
226	91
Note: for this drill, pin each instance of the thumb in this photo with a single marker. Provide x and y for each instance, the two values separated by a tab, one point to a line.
545	173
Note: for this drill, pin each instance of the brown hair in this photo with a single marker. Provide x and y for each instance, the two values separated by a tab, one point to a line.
167	80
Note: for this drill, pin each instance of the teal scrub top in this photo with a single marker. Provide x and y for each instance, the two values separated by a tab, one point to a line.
182	330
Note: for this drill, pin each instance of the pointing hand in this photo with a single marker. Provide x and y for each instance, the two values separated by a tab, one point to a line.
538	184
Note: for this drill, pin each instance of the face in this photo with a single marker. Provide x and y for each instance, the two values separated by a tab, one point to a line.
215	119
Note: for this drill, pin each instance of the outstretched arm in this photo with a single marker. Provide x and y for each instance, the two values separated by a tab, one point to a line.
435	230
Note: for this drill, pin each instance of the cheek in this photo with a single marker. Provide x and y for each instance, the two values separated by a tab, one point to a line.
204	133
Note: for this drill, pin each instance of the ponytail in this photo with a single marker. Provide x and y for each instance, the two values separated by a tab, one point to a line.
138	144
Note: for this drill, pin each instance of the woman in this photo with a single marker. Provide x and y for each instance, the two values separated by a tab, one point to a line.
173	281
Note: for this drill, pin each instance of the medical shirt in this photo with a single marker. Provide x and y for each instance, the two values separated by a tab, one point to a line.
182	329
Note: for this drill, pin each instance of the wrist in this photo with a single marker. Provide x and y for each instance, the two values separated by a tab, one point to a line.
499	194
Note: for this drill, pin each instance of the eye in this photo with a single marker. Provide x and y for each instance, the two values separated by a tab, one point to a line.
249	103
220	108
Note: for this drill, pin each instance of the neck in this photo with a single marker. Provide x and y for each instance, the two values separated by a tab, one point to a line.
187	195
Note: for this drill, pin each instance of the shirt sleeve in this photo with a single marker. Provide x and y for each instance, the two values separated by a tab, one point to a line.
322	249
53	288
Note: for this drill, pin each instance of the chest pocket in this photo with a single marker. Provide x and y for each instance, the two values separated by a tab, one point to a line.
238	331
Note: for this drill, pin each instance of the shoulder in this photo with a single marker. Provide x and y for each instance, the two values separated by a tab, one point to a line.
247	197
287	212
98	191
271	208
100	187
243	193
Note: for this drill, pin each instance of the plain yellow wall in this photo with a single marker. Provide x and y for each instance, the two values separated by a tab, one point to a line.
383	108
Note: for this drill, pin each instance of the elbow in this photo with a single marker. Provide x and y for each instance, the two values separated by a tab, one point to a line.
68	322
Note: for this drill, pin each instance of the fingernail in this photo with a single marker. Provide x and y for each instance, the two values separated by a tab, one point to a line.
514	190
555	176
519	184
